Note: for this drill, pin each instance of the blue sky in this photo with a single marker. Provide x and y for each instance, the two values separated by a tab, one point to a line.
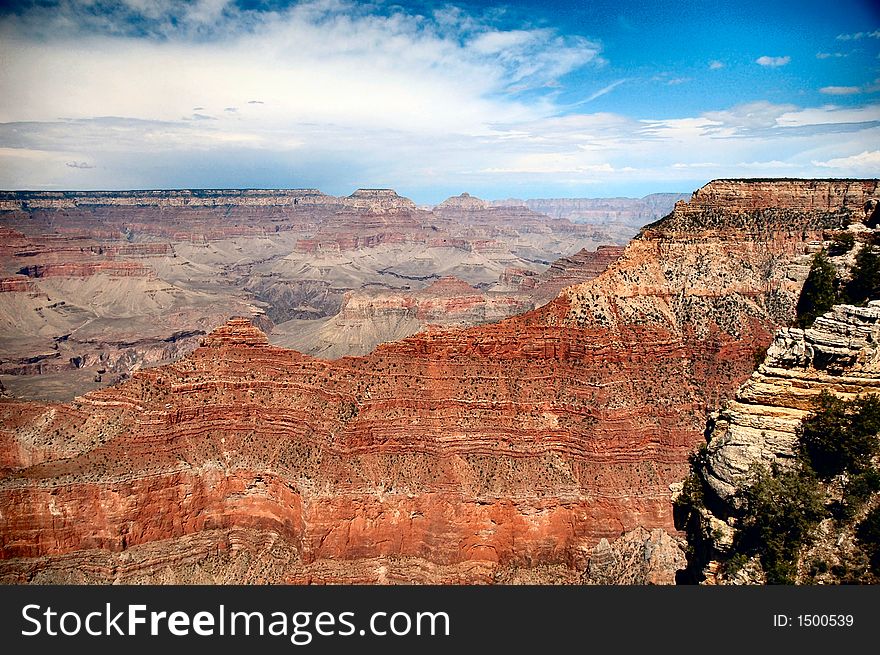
526	99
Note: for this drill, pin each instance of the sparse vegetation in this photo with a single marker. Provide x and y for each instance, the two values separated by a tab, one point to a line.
822	289
759	356
841	436
841	244
868	536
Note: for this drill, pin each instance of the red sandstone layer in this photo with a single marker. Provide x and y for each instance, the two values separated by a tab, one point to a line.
17	283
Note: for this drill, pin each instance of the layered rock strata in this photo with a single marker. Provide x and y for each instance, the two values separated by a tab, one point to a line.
838	354
109	279
453	455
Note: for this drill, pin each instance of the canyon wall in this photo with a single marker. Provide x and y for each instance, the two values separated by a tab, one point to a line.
503	452
628	211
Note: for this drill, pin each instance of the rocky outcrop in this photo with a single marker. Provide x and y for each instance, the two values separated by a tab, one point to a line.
378	200
638	557
567	271
794	194
759	428
838	354
454	453
463	202
16	284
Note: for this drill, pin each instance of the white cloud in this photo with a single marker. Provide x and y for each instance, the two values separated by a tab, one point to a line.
829	115
851	90
751	115
715	65
840	90
773	62
305	64
864	161
829	55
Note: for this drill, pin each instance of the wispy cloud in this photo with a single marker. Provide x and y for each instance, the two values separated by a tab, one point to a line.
840	90
669	79
831	55
855	36
715	65
873	87
441	70
601	92
773	62
753	115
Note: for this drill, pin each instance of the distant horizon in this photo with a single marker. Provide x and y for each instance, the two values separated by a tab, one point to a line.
344	195
526	99
422	203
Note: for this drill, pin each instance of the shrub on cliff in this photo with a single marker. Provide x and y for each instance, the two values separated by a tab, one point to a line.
864	284
819	293
781	510
868	536
841	436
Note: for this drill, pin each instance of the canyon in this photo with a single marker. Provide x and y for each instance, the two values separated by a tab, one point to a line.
539	448
96	285
620	211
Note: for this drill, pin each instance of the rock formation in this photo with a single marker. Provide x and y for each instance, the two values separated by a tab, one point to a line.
29	200
464	202
378	200
501	452
370	317
567	271
838	354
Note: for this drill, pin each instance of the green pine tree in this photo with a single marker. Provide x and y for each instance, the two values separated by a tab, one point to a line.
865	282
818	294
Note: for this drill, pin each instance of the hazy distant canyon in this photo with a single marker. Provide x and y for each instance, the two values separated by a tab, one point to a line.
95	285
